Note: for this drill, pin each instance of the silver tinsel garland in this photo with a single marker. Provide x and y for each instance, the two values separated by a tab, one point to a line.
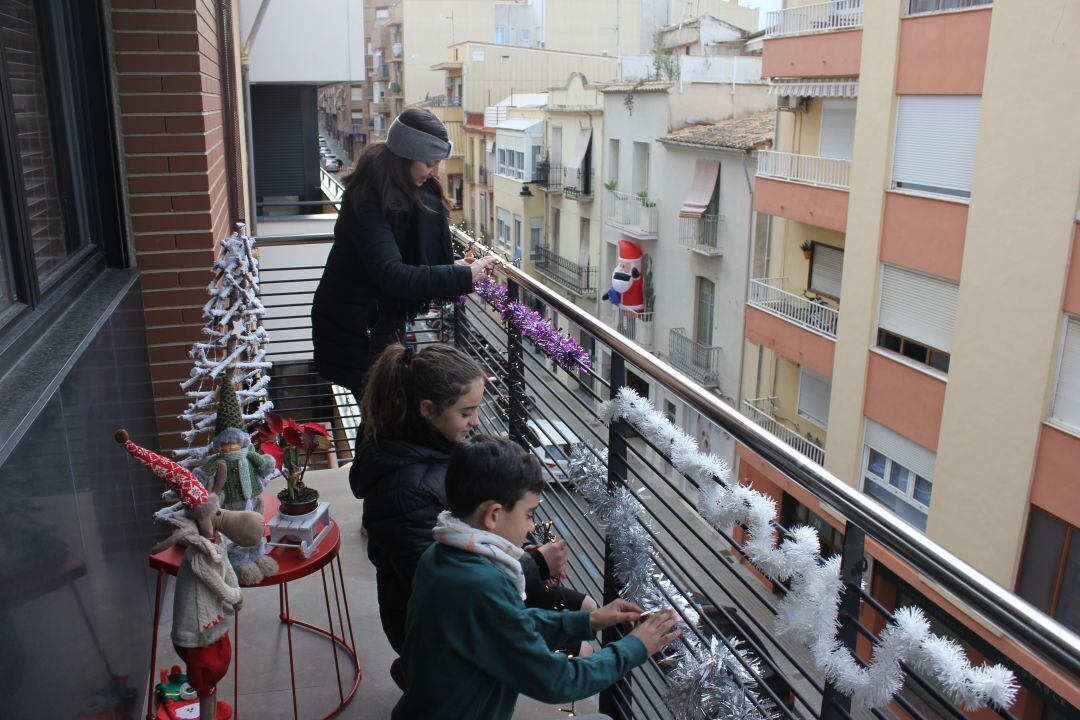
705	681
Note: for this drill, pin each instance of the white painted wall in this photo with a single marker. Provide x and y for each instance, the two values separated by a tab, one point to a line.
315	41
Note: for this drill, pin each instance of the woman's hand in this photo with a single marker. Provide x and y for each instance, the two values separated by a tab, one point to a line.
480	267
556	557
614	613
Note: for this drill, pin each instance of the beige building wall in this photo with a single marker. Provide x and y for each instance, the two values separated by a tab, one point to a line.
431	26
869	176
492	72
1019	233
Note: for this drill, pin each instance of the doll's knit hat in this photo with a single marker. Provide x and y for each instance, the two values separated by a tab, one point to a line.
177	477
229	414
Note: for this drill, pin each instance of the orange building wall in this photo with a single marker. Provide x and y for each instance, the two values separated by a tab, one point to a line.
924	234
905	400
943	54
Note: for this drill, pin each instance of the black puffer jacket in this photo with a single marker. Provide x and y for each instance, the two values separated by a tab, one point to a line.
403	486
380	271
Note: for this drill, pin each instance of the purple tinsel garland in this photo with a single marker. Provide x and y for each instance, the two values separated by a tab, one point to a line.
565	351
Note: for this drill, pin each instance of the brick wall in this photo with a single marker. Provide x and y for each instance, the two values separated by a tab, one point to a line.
168	78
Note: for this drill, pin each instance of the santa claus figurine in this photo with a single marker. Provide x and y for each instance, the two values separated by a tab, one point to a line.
626	284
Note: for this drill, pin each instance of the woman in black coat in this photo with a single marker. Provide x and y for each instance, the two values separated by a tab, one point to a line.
392	253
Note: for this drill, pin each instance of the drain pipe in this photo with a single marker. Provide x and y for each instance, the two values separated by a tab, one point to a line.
245	56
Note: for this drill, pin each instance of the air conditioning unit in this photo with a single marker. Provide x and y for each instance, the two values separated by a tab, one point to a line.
793	103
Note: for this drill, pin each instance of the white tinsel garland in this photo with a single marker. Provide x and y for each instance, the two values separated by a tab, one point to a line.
809	611
235	344
704	681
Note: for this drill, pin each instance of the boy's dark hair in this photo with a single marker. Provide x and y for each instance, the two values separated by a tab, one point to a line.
490	468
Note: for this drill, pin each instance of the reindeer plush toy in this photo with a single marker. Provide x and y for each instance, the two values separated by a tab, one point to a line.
206	587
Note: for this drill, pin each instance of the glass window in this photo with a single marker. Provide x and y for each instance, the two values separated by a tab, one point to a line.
896	487
899	477
877	463
1041	561
46	190
1068	605
703	315
922	490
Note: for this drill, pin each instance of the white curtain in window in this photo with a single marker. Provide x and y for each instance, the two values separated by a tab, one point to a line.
826	268
1067	393
935	142
814	392
917	306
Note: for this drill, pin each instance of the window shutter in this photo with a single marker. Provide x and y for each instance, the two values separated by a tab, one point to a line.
826	270
899	449
918	307
935	142
837	129
814	392
1067	395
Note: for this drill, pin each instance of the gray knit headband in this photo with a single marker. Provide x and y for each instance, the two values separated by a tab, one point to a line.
413	144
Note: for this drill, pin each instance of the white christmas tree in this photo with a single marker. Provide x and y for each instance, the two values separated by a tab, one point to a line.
234	346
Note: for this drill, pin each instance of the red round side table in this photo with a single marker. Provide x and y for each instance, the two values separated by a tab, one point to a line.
292	565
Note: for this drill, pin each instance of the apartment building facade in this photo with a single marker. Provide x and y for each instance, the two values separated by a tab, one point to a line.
902	196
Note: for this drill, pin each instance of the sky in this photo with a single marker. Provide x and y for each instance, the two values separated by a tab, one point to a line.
764	6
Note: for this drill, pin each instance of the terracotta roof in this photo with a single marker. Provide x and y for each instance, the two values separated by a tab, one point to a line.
742	133
650	86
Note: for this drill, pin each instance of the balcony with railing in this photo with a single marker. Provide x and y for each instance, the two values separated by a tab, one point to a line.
634	214
701	234
699	361
763	412
806	188
706	570
636	326
769	295
819	40
577	184
548	176
578	279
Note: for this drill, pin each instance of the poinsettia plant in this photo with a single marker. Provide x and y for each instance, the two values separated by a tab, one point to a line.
284	440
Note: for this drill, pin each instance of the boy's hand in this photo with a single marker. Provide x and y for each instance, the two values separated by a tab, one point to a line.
555	556
614	613
656	631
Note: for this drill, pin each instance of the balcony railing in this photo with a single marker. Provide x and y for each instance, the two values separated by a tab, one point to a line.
702	235
634	214
768	294
701	362
819	18
549	176
578	184
378	107
763	410
444	101
579	279
915	7
731	601
635	326
806	169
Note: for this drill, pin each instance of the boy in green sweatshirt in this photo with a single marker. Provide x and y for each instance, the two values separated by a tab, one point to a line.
471	645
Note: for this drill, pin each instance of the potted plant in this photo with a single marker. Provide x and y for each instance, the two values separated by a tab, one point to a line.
807	249
610	185
284	440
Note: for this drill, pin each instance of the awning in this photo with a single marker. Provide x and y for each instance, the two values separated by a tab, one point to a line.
577	157
457	138
824	88
701	191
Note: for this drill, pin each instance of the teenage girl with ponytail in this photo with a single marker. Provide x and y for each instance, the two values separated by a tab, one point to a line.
416	408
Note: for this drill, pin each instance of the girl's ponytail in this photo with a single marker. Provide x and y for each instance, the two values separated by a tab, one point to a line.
400	380
383	406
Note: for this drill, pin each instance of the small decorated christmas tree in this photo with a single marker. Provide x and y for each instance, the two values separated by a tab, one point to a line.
234	345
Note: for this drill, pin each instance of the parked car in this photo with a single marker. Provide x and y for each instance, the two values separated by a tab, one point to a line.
332	164
552	441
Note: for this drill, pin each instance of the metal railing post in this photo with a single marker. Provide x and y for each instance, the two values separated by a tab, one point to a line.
834	704
458	320
515	380
616	476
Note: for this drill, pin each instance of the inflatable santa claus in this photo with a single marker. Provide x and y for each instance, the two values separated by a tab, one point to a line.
626	283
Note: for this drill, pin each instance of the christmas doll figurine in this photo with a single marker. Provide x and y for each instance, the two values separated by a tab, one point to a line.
206	587
626	283
249	471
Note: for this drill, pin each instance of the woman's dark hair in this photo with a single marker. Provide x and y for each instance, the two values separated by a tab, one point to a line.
399	381
490	468
390	175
